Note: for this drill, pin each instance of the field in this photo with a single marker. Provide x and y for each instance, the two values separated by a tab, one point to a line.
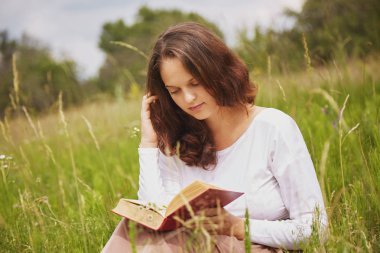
62	173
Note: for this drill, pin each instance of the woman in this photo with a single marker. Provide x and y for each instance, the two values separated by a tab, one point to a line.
199	122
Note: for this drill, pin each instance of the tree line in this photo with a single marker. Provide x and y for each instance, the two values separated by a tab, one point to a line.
326	30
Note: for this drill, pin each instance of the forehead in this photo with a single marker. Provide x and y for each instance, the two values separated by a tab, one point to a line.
173	73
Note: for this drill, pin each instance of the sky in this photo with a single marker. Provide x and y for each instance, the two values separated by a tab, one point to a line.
71	28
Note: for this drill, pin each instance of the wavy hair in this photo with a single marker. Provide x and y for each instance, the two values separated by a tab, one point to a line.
214	66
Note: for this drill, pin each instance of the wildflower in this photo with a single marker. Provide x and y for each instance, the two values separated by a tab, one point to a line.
135	132
325	110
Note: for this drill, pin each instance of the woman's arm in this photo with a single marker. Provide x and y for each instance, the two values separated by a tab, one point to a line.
303	200
293	169
159	178
148	135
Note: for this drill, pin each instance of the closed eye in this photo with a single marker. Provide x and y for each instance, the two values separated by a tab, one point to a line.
177	90
173	92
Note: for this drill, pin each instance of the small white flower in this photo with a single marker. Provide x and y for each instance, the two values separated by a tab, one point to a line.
2	157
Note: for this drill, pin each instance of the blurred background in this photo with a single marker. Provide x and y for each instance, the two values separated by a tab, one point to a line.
67	45
72	74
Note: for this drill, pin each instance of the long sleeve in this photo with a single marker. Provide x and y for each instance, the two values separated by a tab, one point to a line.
293	169
159	176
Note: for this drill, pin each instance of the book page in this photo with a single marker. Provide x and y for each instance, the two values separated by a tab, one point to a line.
194	197
161	209
187	194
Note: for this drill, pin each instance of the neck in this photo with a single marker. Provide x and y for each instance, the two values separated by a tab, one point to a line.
226	119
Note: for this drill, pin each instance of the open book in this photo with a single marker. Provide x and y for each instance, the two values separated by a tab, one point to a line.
196	196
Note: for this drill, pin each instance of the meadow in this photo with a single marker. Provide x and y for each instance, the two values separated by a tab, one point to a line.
61	173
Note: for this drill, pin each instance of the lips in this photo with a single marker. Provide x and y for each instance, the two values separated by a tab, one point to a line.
196	107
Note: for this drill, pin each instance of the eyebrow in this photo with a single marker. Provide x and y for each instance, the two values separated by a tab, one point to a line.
169	86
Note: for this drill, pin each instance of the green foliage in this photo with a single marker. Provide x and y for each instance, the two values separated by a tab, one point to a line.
7	47
62	179
271	51
142	34
40	77
340	26
247	236
334	30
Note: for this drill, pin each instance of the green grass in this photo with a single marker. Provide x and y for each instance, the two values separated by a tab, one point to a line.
61	175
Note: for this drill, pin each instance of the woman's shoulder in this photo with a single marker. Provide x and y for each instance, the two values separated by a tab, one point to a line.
277	124
273	117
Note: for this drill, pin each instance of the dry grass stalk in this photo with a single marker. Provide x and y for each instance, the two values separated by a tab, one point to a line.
309	68
91	131
16	83
322	168
129	46
282	90
30	121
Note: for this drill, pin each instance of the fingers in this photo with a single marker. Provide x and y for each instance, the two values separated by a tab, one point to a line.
211	228
210	212
217	220
149	97
146	101
214	225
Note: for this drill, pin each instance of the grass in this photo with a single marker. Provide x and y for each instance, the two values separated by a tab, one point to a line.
62	173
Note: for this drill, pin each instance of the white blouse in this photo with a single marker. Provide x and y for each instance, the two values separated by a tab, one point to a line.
269	162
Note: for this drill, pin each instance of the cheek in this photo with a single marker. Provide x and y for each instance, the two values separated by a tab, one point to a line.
207	95
178	101
209	98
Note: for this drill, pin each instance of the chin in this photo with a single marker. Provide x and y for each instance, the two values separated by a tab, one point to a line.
200	116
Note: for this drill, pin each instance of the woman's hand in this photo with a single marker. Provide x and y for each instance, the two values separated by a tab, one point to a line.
148	135
219	221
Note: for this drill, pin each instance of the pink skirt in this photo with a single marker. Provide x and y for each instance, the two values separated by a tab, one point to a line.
180	240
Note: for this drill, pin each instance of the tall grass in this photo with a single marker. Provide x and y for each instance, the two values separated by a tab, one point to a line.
62	173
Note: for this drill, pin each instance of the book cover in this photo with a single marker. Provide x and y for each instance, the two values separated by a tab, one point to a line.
196	196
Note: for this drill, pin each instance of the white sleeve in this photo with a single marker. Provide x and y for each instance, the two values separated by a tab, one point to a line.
293	169
159	176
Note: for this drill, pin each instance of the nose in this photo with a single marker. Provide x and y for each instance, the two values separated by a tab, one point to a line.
189	96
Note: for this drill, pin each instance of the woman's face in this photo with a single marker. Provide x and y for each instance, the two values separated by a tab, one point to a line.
186	91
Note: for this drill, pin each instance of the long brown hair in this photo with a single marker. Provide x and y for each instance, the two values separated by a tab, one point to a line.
215	67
